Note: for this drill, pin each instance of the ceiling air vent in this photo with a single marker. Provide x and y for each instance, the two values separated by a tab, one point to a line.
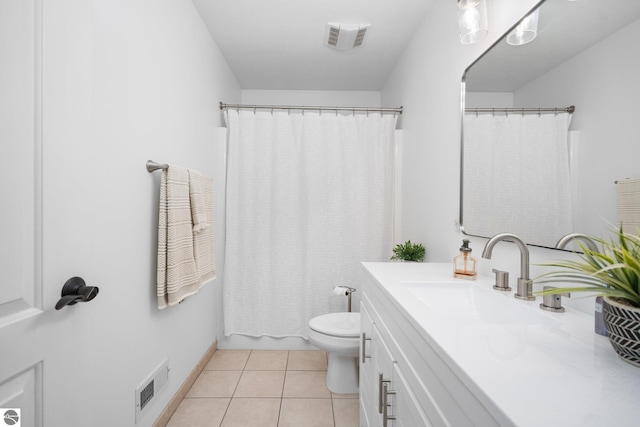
345	36
333	36
360	37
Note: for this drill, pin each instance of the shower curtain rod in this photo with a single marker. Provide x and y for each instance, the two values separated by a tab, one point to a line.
224	106
570	109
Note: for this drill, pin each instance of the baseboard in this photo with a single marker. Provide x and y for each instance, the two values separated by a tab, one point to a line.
168	411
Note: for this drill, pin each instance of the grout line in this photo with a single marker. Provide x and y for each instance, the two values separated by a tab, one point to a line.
306	370
279	411
284	381
232	395
333	412
247	360
225	412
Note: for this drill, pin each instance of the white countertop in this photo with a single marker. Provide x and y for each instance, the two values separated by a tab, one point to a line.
539	368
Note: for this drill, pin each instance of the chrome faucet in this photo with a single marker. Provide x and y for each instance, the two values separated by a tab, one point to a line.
525	284
565	240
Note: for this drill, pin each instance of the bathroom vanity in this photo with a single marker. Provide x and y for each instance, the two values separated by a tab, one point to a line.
439	351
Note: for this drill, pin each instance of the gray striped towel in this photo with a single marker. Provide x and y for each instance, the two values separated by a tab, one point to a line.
629	205
185	258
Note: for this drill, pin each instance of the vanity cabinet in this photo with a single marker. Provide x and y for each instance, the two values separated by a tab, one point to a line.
456	353
403	379
386	398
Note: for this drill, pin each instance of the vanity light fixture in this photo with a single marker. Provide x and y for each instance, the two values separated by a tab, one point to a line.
345	36
526	31
472	20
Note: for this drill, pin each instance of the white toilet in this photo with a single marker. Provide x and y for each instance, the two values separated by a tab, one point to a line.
338	334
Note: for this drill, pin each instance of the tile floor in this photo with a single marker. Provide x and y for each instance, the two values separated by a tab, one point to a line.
274	388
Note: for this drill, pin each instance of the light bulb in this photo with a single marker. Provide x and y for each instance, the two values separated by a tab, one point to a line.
466	4
472	20
526	31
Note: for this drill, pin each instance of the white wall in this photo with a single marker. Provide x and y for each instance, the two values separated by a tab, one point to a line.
602	83
488	99
335	98
426	82
124	82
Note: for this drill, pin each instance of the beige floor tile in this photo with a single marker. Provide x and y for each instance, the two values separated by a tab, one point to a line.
306	384
306	412
346	412
344	396
260	384
252	412
199	412
267	360
215	384
228	360
307	360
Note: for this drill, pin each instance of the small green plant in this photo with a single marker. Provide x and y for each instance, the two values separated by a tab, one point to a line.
409	251
614	271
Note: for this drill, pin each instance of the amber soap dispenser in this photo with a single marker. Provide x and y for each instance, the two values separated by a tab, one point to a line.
464	265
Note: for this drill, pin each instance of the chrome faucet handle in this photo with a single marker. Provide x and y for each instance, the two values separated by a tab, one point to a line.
524	290
502	280
553	302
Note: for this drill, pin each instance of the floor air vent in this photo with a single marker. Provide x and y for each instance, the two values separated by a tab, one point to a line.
146	395
150	388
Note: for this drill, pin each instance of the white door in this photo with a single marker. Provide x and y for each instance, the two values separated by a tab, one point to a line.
41	363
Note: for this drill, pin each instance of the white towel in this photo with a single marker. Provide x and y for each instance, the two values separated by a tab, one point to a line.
185	259
629	205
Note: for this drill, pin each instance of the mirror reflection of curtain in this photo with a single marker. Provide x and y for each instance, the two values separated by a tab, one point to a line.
309	197
517	176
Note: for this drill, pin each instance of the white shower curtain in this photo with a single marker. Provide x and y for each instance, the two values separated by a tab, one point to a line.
309	196
517	176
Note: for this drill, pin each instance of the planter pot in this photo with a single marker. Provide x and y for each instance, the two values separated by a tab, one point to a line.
623	328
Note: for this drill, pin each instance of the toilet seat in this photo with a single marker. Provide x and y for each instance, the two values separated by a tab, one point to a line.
344	324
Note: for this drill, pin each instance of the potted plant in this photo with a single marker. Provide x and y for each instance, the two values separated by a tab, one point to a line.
409	252
614	273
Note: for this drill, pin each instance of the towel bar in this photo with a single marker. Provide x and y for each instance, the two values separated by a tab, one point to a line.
153	166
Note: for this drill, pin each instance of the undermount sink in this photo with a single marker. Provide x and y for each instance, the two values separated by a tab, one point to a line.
468	303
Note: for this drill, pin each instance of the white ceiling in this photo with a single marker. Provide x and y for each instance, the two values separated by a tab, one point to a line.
279	44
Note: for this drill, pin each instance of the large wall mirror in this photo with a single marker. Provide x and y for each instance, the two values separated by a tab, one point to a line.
529	167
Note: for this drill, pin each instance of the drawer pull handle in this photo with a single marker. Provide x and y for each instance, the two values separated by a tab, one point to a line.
381	381
385	404
363	340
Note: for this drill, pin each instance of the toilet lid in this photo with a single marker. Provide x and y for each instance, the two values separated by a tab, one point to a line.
337	324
